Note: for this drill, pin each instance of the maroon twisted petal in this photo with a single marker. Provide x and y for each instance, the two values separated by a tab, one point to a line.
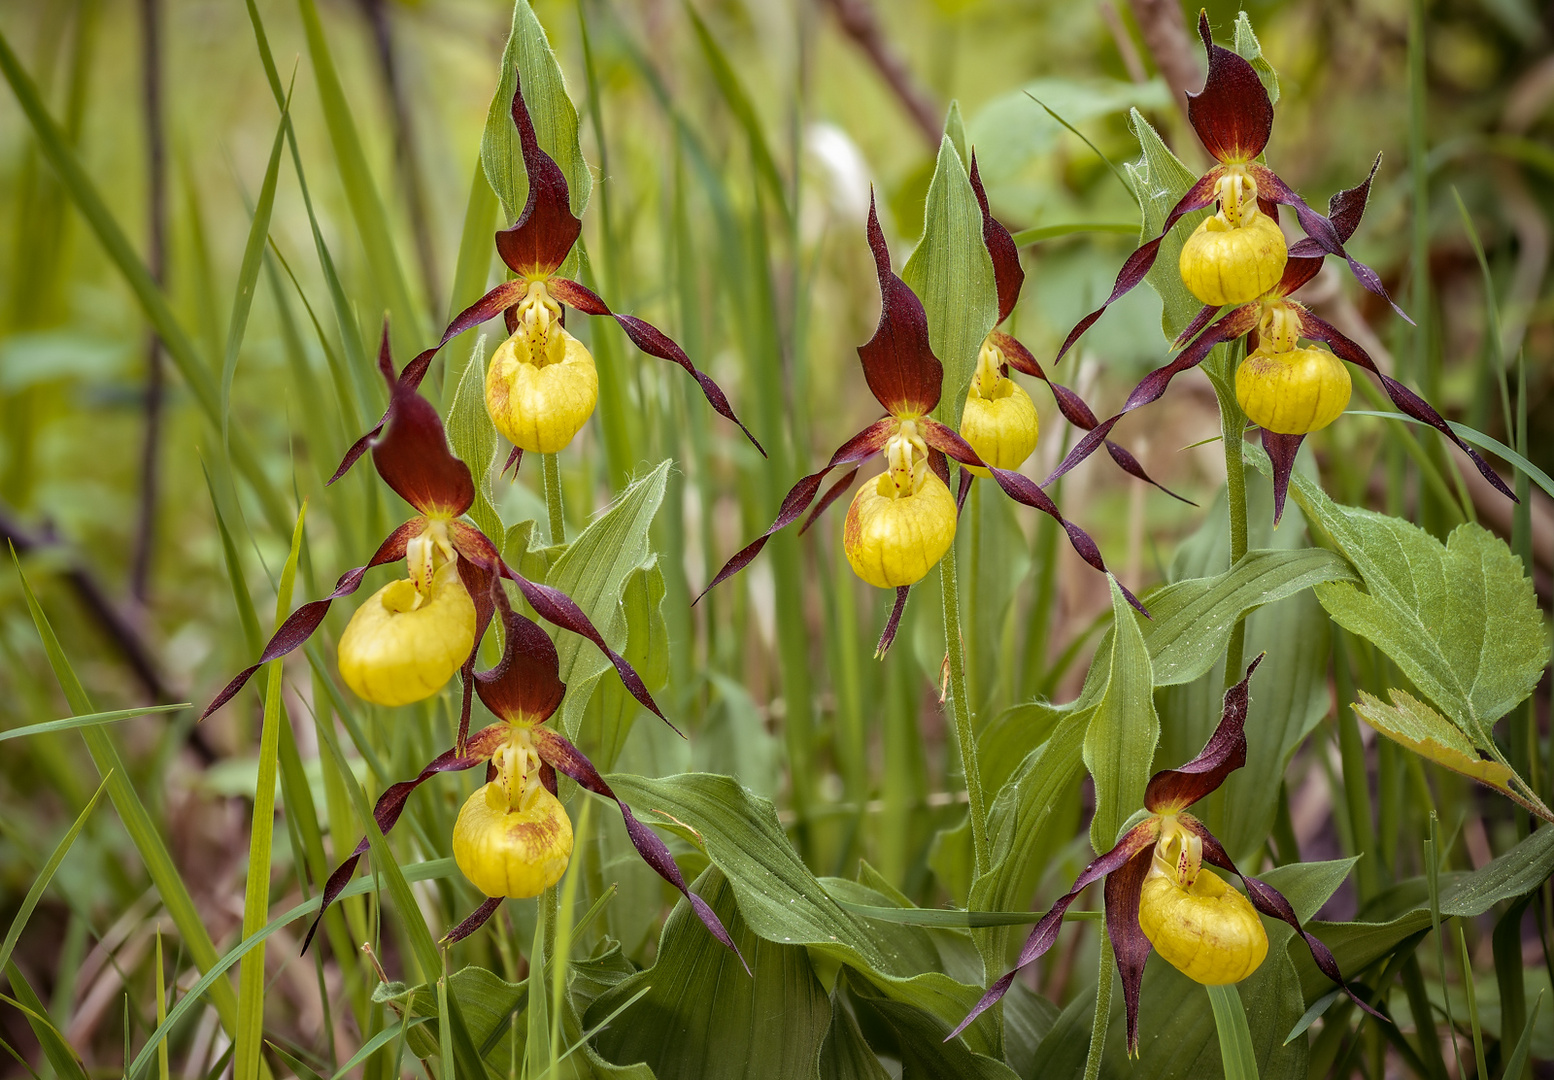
1124	889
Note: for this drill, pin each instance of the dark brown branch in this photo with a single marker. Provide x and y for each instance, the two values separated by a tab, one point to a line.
1176	55
156	237
859	22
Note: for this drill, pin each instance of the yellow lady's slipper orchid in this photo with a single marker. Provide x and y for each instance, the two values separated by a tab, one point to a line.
541	387
1295	392
513	837
405	643
1239	253
900	526
999	420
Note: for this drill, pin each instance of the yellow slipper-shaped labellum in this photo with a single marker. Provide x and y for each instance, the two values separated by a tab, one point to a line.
539	407
1225	264
512	852
393	652
1001	427
893	541
1295	392
1208	931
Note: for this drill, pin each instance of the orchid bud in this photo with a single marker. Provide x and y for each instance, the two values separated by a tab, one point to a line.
900	525
999	420
541	387
1295	392
1204	928
512	849
405	643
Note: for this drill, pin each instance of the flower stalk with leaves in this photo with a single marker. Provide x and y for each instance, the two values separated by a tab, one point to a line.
900	525
1159	895
512	837
409	638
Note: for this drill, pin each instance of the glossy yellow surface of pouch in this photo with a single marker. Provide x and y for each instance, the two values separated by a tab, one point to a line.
513	852
402	646
895	540
540	406
1207	931
1233	264
1000	426
1294	392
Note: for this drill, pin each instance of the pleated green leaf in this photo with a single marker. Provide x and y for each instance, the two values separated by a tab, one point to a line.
555	119
1159	181
952	274
1119	743
473	438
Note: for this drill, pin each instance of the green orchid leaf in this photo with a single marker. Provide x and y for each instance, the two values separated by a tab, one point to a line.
473	438
1159	181
1120	740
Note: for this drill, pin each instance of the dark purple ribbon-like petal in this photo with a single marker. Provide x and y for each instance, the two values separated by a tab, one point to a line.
1404	398
477	918
1271	902
306	619
1022	489
555	749
1173	790
650	340
892	624
1045	932
1124	887
834	492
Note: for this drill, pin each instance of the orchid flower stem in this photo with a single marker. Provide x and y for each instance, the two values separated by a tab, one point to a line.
1232	424
966	739
1103	1010
551	478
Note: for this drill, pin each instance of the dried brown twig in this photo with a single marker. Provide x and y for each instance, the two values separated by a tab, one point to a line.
859	22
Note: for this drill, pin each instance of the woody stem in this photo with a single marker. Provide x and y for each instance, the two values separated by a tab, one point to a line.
551	479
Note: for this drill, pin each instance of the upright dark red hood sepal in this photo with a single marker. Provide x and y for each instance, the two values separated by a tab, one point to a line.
542	237
1008	274
525	685
412	454
1231	114
902	371
1172	790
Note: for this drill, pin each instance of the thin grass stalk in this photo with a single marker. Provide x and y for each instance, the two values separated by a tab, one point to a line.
1103	1010
1472	998
156	257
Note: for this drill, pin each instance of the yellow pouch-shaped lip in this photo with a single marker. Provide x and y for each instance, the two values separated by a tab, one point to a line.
1293	393
539	408
512	853
393	653
1001	427
1208	931
1223	264
892	542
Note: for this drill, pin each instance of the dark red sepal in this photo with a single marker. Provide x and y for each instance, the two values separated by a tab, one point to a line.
1281	453
1198	197
484	590
892	624
552	605
1238	322
1045	932
898	363
391	804
542	238
1171	791
1404	398
651	340
413	456
1075	411
1199	321
299	626
1321	232
1344	210
1022	489
487	307
1123	889
514	460
1271	902
871	440
556	750
1008	274
525	686
477	918
834	492
966	477
1231	114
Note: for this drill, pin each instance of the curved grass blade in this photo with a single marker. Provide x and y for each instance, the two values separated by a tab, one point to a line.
46	875
1039	233
89	720
1480	440
954	917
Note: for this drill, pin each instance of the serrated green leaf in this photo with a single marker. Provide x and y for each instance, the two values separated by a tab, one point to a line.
555	118
952	274
704	1017
592	570
1120	738
1411	723
1459	619
1251	50
1159	181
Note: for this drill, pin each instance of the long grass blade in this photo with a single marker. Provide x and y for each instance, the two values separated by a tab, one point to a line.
46	875
1235	1037
63	1059
256	902
89	720
1483	442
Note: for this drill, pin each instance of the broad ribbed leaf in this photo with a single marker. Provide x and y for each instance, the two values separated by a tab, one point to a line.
1119	742
473	438
555	119
952	274
702	1016
593	571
